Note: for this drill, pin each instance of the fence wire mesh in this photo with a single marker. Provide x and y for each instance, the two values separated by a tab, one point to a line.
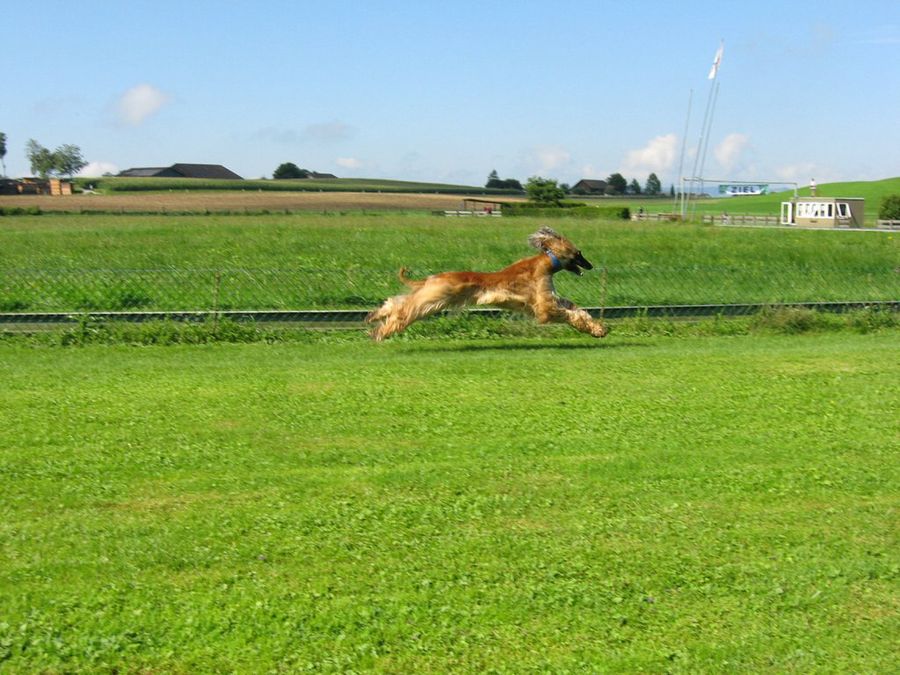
344	292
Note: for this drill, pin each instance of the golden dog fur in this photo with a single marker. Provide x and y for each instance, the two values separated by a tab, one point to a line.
525	286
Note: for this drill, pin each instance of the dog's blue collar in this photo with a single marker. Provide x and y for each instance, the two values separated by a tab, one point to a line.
557	266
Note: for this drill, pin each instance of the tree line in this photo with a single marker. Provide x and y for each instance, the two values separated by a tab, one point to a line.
616	184
288	170
66	160
547	191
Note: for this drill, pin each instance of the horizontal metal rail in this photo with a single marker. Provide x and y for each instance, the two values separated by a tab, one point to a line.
353	316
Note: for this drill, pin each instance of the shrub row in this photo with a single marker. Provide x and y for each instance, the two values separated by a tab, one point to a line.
567	210
20	211
776	320
890	208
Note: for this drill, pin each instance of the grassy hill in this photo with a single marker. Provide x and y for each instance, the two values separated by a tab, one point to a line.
116	184
872	191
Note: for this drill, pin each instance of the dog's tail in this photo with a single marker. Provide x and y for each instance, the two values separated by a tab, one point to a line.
412	283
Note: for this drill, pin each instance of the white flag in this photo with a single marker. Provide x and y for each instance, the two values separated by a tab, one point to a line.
717	59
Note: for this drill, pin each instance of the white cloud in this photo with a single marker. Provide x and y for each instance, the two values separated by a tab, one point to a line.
729	152
592	172
320	132
348	163
548	161
276	135
96	169
140	102
328	132
799	173
887	35
551	158
655	157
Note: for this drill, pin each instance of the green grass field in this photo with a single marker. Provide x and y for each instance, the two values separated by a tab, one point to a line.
464	498
435	505
872	191
278	261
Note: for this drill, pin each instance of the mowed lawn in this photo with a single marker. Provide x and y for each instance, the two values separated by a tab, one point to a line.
434	505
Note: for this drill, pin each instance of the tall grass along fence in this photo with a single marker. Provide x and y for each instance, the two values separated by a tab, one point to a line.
341	295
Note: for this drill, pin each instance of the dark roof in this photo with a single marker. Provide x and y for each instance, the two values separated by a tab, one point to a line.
205	171
215	171
591	184
316	174
144	172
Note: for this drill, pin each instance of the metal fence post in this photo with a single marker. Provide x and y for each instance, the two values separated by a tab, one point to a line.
216	302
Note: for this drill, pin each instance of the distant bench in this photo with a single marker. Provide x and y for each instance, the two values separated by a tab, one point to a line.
472	213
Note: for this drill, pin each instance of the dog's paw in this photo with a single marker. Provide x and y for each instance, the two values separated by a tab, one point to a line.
599	331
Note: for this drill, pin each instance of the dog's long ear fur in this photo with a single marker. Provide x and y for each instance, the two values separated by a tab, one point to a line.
542	238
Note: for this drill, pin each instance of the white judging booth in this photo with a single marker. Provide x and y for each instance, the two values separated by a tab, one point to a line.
824	212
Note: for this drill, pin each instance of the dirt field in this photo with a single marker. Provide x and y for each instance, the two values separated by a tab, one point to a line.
236	201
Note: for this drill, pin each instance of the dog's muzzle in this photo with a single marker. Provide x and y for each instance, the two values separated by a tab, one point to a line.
578	262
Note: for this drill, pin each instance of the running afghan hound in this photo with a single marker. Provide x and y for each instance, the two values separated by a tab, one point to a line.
525	286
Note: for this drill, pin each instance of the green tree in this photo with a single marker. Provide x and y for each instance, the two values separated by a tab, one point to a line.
653	186
494	181
890	208
289	170
40	158
68	160
3	151
544	191
634	187
616	184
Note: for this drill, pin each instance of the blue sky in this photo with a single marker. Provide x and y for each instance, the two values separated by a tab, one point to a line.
449	91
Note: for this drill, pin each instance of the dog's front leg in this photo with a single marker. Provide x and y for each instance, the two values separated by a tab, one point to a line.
580	320
565	311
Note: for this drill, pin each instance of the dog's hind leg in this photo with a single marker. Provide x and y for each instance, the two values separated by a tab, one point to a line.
385	310
399	312
388	317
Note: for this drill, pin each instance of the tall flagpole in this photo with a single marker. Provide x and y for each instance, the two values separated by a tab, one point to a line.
687	121
712	112
703	141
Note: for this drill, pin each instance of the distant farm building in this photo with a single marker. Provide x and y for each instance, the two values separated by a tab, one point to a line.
9	186
60	188
36	186
824	212
589	187
208	171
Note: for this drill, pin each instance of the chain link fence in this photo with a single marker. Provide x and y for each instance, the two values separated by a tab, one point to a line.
347	293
